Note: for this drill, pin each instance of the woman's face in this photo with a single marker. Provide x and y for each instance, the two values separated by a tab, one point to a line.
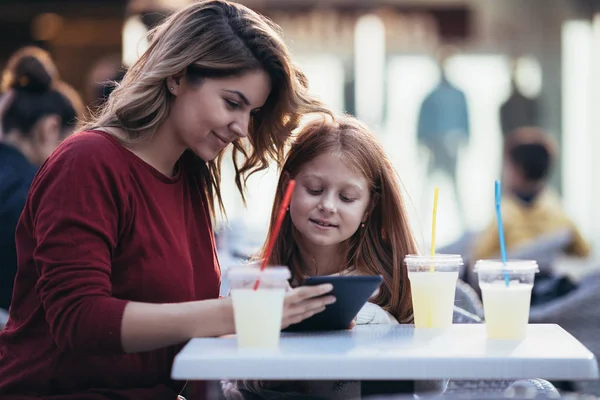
208	116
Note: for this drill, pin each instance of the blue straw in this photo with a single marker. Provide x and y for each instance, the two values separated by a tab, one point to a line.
501	229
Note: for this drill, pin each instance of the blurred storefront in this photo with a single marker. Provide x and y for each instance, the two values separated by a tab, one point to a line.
77	33
376	59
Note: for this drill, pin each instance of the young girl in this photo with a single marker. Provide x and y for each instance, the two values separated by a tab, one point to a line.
347	213
347	217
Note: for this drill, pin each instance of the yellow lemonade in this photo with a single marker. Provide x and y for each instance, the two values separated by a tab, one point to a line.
433	297
258	315
506	309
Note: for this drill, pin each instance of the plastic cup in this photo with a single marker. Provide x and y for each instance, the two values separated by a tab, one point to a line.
506	308
433	285
258	313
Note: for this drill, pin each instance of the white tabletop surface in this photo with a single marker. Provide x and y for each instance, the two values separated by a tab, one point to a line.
393	352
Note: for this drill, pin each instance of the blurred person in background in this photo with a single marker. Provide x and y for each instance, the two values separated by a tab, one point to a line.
38	112
5	98
7	78
443	126
530	208
41	55
518	110
117	260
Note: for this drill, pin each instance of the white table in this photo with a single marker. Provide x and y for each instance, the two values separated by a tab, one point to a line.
393	352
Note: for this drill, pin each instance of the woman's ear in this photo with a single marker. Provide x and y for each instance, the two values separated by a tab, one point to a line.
174	83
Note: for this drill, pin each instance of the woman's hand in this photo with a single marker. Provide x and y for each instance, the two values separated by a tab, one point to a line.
305	301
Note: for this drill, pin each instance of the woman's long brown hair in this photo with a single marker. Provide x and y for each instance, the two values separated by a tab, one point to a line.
212	39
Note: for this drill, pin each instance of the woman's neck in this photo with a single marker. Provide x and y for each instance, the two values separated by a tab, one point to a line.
321	260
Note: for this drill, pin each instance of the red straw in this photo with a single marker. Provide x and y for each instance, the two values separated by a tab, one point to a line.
282	210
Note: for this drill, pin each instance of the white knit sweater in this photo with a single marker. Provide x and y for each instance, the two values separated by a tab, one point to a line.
370	313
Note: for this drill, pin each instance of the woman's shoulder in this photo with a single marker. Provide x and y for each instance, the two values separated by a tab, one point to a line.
87	150
85	157
92	143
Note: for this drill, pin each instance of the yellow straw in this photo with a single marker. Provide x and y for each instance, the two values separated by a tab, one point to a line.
435	203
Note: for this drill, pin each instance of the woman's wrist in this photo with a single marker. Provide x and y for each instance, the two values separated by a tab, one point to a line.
226	313
209	318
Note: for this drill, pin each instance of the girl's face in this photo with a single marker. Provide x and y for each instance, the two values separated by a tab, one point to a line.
330	201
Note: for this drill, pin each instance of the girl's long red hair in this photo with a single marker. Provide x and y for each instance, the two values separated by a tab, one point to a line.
379	247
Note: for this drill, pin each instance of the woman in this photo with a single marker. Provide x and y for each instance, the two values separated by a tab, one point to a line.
36	113
117	263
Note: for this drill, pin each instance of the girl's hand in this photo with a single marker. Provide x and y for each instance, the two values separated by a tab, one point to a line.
305	301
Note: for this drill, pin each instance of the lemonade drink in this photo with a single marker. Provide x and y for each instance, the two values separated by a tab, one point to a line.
258	313
433	285
433	298
506	309
506	291
254	330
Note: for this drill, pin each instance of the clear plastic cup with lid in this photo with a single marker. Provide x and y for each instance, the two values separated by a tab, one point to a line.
506	292
433	285
258	311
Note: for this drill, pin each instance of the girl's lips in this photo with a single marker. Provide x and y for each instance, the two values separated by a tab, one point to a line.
322	224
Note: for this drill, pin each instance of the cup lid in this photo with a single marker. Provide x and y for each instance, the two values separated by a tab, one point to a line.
511	266
438	260
245	272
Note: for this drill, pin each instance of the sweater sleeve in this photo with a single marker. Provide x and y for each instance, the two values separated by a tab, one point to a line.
371	313
75	206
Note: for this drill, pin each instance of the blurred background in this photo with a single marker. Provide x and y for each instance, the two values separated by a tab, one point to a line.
509	63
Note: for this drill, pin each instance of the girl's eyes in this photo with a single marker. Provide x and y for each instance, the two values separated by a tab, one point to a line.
316	192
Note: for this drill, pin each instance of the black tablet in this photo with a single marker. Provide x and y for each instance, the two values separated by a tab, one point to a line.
351	293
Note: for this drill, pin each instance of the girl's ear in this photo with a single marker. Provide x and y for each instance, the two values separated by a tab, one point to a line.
370	207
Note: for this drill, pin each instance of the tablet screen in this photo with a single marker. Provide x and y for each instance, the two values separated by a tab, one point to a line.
351	293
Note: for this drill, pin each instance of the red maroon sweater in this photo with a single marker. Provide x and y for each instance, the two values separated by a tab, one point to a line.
101	228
